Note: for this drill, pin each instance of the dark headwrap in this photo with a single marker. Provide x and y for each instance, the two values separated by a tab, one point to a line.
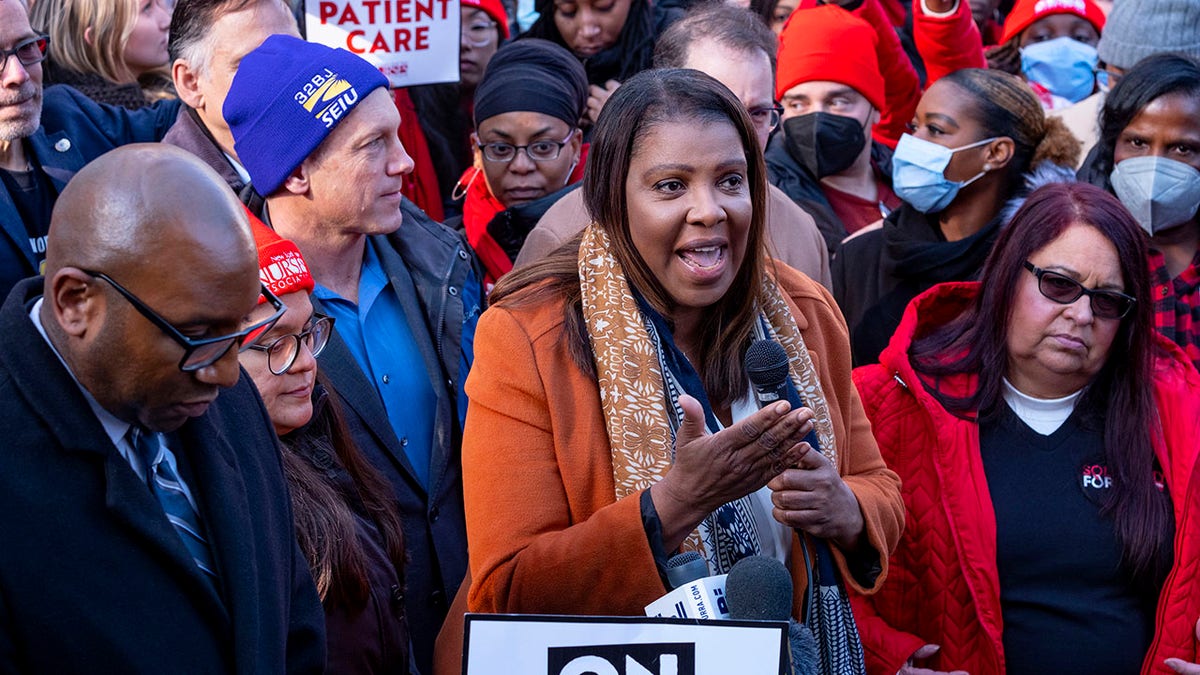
532	76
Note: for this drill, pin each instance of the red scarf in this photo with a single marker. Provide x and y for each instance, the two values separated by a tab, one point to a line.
478	210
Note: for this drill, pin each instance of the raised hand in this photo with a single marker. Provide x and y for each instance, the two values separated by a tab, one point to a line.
713	469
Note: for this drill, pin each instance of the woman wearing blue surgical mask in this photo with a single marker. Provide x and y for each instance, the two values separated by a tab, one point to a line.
974	139
1052	45
1148	155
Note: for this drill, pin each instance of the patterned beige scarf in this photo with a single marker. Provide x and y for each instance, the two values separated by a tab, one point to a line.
632	382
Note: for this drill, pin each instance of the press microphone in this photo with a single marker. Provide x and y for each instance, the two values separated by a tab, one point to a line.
694	595
759	588
767	366
685	568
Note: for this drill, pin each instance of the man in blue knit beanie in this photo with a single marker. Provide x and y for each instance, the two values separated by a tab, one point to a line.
316	130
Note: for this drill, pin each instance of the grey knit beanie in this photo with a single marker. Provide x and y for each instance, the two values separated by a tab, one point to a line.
1139	28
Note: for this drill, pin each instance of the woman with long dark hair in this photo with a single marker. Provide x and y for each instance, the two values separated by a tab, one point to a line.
612	422
1148	155
346	520
1046	438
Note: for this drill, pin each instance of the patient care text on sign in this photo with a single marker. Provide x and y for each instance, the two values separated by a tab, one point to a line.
410	41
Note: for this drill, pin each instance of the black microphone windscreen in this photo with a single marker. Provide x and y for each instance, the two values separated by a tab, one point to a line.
806	655
759	588
686	568
766	364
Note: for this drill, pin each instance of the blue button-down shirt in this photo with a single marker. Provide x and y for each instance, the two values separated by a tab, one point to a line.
379	336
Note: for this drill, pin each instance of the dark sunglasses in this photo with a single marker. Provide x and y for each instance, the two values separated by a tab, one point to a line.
201	352
1065	290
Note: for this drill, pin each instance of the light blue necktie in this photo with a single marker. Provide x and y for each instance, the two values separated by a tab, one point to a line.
166	488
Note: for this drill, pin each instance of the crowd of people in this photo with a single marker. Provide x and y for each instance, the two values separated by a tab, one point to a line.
292	389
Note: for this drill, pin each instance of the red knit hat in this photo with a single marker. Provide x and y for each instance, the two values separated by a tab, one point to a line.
280	265
829	43
1025	12
494	9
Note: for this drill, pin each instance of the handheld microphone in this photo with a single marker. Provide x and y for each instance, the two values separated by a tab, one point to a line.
767	366
685	568
759	588
695	595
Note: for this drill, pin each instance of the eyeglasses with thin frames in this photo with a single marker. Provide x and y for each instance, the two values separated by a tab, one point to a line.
201	352
1064	290
283	351
538	151
480	33
28	52
767	117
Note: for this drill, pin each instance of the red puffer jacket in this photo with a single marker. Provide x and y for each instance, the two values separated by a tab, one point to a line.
943	584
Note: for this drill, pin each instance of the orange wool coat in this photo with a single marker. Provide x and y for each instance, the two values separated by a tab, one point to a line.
545	532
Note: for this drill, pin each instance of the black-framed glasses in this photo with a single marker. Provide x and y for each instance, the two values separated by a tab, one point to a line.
28	52
201	352
282	352
767	117
479	33
1065	290
538	151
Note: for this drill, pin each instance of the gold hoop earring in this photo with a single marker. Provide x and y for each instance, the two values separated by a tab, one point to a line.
461	190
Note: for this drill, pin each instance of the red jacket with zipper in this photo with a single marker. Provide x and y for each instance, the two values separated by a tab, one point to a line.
943	583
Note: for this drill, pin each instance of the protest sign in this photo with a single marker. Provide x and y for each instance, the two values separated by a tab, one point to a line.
410	41
502	644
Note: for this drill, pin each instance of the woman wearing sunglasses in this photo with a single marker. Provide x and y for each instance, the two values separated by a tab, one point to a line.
346	522
1045	436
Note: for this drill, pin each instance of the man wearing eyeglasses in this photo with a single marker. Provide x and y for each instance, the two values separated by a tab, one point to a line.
145	518
45	137
317	131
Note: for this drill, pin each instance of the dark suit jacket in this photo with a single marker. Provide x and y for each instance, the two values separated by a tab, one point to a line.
93	578
74	130
429	266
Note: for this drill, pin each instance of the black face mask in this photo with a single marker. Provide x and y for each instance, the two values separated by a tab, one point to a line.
824	143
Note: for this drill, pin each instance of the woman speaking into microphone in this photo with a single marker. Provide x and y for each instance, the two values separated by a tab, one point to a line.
612	422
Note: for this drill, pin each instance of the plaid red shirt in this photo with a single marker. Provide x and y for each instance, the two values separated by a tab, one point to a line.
1177	303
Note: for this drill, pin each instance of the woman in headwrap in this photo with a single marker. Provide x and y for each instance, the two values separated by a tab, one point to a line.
528	148
614	39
